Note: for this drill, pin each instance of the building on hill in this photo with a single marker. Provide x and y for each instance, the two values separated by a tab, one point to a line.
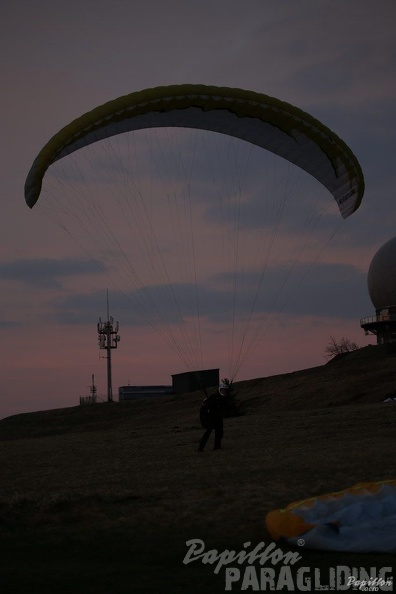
135	392
381	282
189	381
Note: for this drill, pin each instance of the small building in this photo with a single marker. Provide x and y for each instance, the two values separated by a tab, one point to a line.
191	381
136	392
182	383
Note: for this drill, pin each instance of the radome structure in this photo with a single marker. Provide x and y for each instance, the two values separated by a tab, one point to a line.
381	282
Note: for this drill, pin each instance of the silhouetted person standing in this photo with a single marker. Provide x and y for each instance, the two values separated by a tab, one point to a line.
211	414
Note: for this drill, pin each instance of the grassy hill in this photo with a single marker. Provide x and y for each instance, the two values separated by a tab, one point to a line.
103	498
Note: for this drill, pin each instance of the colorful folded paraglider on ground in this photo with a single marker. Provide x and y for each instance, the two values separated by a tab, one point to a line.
361	519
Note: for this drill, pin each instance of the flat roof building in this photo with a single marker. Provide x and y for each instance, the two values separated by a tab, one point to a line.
191	381
135	392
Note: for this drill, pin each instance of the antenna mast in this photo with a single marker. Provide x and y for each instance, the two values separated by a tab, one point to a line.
108	340
93	389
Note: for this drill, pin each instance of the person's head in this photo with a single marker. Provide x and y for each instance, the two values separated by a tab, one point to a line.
224	389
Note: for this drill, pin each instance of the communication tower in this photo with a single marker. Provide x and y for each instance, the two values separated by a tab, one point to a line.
108	340
93	390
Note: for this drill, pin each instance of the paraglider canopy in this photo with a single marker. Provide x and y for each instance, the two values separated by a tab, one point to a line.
361	518
154	187
259	119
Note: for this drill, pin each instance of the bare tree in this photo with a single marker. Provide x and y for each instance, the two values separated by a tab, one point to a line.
338	347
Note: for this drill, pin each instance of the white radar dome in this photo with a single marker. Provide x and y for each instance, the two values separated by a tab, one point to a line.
381	277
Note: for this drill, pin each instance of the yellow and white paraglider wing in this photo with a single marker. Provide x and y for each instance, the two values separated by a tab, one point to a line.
204	206
256	118
359	519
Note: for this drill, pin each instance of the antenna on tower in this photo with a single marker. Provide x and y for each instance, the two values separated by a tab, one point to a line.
108	340
93	389
108	307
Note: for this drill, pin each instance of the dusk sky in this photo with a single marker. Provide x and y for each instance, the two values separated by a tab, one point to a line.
335	59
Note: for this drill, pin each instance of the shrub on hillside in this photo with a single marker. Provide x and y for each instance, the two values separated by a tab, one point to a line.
340	347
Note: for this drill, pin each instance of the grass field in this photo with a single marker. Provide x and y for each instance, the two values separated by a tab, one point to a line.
103	498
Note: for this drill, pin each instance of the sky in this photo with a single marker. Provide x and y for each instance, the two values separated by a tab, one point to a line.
334	59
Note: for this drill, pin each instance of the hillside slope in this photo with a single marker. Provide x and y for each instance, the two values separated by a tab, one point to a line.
365	376
103	498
